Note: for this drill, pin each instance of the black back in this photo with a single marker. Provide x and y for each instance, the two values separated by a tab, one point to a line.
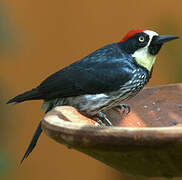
104	70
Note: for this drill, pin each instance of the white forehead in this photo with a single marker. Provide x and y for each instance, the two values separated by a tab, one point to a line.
151	33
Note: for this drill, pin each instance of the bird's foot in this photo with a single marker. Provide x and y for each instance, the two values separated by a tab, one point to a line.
102	119
124	107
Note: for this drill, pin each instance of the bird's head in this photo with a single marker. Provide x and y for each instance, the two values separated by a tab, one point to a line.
144	45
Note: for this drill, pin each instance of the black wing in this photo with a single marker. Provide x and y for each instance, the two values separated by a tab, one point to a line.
105	70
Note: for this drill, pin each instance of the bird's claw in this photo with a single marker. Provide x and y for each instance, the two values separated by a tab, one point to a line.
99	121
125	108
105	121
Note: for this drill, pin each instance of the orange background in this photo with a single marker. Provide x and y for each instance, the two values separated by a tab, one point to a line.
41	37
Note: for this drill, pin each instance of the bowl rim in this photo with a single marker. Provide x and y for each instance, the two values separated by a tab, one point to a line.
53	124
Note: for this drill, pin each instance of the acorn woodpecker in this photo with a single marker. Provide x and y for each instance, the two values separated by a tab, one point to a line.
101	80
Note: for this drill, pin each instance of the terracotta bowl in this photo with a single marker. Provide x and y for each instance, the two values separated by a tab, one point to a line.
146	142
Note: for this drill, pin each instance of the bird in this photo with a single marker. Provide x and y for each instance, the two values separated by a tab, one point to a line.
101	80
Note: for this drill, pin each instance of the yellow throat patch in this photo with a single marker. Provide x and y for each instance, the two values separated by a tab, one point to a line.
144	58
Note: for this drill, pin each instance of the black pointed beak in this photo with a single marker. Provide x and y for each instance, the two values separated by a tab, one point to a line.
163	39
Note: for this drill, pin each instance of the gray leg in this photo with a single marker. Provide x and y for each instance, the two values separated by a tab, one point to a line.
124	107
102	115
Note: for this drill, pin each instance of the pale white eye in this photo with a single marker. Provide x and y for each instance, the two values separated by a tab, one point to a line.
141	38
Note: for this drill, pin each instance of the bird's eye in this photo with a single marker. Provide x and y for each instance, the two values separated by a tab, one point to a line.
141	38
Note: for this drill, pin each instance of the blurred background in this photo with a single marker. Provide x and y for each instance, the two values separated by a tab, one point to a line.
39	37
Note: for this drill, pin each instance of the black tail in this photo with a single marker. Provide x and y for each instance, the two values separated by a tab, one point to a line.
29	95
33	142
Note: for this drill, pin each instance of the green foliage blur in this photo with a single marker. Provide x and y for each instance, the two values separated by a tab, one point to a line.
5	46
5	32
3	157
